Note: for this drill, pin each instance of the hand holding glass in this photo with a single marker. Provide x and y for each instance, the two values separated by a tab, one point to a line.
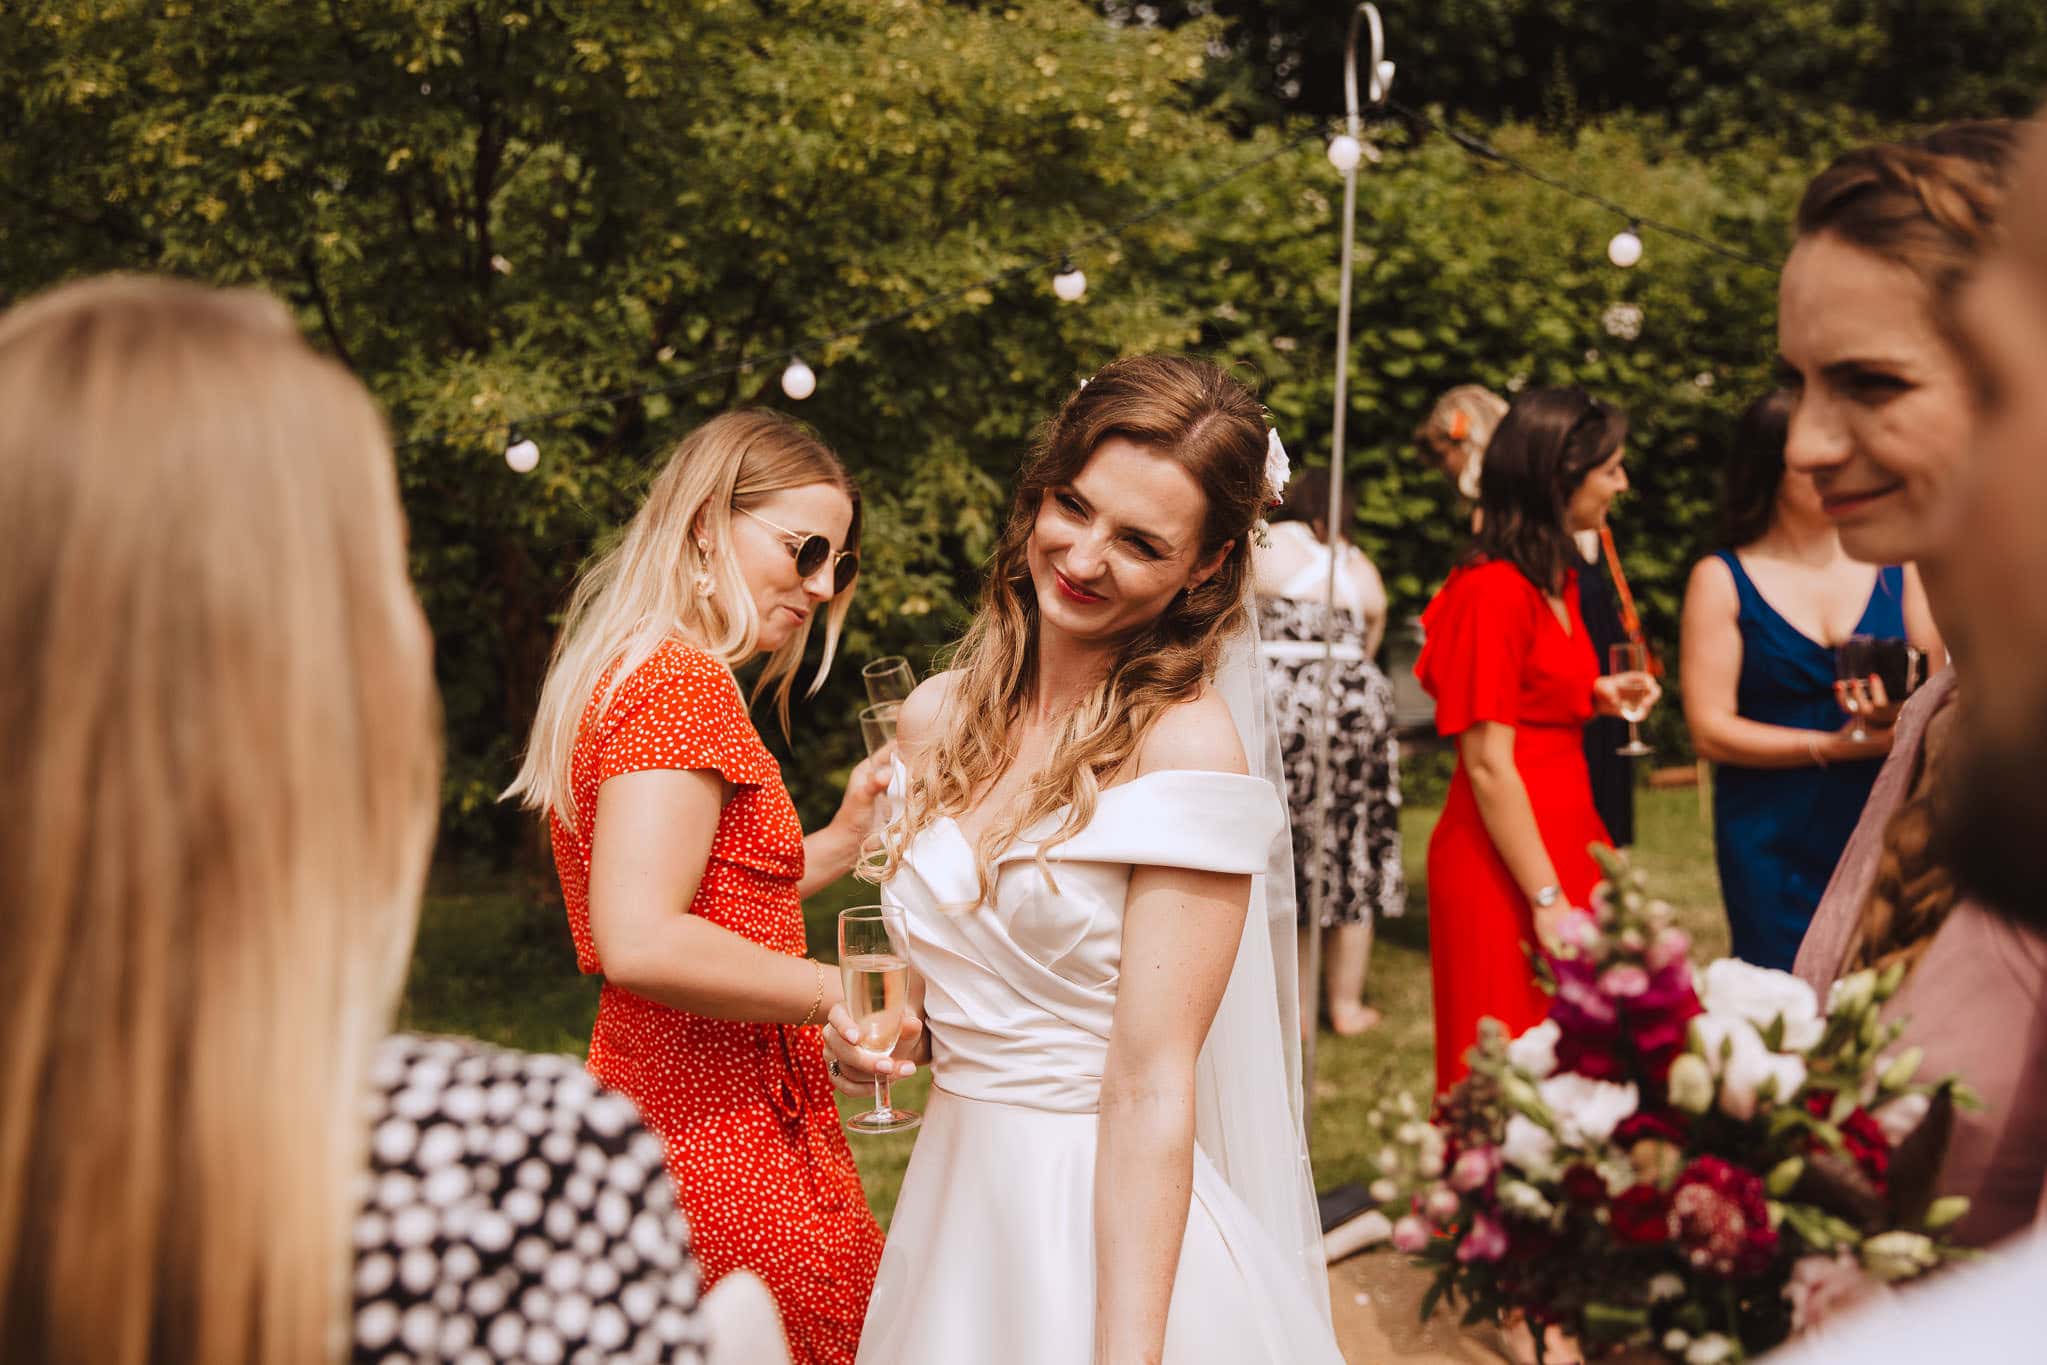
1855	659
1629	665
876	977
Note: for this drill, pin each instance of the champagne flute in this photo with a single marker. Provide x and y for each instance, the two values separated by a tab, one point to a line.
1628	662
1854	661
889	679
878	728
876	976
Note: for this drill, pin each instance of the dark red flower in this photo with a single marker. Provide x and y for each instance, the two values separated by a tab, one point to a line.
1664	1125
1720	1219
1583	1185
1640	1216
1861	1135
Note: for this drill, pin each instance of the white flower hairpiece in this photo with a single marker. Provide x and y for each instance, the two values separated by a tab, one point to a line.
1277	468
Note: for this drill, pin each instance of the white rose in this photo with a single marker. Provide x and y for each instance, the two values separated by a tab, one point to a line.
1761	996
1529	1147
1536	1050
1587	1111
1745	1067
1384	1191
1524	1199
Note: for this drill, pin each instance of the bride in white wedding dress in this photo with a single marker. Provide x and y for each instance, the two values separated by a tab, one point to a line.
1111	1166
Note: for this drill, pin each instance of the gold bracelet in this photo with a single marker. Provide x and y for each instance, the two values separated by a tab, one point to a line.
816	1001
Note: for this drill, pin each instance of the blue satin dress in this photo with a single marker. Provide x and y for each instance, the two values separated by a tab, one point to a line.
1779	831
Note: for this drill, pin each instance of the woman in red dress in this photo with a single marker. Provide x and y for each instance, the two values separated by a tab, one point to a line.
682	863
1515	680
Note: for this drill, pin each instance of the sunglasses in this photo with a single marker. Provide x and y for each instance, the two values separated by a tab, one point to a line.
810	553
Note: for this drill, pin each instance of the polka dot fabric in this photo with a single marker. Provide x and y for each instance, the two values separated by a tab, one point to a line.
514	1210
754	1147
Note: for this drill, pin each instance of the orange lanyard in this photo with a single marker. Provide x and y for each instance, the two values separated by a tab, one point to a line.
1631	620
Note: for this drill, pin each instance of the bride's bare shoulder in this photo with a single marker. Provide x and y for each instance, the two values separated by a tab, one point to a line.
925	710
1194	734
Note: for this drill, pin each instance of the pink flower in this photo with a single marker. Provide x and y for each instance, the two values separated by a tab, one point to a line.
1822	1288
1475	1166
1486	1241
1668	947
1623	981
1441	1205
1411	1235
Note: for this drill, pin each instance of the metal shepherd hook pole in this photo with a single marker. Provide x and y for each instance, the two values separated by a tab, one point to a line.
1379	84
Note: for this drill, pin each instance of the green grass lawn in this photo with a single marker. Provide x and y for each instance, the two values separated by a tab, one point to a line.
498	965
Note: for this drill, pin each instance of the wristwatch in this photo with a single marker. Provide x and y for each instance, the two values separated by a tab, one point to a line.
1548	896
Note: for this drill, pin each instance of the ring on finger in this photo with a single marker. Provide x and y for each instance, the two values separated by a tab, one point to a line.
831	1064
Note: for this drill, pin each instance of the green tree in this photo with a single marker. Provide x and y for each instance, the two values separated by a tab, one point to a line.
491	210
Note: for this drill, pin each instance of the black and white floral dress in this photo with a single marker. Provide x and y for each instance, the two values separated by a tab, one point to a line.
515	1210
1362	864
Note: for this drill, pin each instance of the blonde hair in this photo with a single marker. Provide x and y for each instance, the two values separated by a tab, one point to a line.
1192	412
222	729
1463	419
642	591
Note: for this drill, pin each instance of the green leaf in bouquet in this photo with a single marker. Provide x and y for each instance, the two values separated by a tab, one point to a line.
1610	1323
1436	1292
1843	1106
1833	1183
1945	1212
1773	1034
1783	1177
1902	1069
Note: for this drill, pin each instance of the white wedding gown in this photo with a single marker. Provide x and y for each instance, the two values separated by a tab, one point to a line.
990	1257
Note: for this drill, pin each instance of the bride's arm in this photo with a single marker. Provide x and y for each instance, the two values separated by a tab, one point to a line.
1180	933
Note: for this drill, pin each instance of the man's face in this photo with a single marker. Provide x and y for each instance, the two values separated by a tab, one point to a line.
1999	570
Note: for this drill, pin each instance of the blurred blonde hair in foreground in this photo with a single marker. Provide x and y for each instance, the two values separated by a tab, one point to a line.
222	731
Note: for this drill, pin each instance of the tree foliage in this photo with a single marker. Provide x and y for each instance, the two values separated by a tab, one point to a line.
491	209
1719	71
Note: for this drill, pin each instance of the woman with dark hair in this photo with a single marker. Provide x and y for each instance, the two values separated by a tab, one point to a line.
1515	680
1360	876
1762	616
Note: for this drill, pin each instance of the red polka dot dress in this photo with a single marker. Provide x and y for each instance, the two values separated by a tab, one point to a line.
760	1166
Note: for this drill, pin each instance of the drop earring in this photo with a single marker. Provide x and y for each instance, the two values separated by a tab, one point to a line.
705	584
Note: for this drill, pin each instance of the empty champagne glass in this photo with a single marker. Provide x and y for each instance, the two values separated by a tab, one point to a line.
889	679
1629	664
876	977
1854	661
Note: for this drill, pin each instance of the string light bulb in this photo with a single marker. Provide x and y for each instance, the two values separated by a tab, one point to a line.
1069	284
1626	247
522	454
799	381
1344	152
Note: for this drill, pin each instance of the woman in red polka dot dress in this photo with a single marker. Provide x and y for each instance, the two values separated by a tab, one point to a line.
682	863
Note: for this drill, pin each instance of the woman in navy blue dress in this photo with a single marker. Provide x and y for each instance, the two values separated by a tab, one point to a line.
1761	619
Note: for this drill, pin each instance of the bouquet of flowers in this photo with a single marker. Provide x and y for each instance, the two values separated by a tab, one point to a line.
1678	1166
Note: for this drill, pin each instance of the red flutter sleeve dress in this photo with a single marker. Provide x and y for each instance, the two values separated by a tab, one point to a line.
1494	650
760	1166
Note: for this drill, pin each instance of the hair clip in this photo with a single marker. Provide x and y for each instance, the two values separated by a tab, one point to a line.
1460	425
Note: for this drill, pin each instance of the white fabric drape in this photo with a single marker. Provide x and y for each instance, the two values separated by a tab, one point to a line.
1248	1083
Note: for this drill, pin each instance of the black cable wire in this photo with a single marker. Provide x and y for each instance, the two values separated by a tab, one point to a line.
1479	147
528	421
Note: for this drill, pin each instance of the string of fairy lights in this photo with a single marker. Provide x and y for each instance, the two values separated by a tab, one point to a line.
1069	283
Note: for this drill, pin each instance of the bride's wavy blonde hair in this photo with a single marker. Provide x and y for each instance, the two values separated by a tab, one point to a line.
1191	412
642	591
